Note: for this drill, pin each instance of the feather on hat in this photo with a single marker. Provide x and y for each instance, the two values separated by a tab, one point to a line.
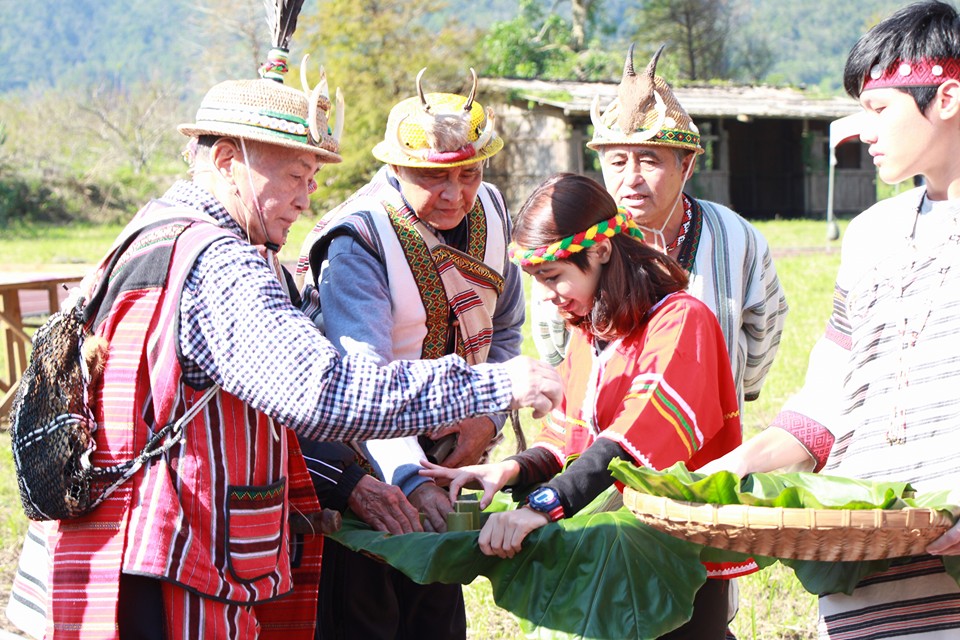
266	110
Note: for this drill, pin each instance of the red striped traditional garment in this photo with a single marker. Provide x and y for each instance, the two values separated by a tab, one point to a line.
211	514
665	394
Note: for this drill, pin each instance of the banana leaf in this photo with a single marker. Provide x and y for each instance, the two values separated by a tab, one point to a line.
792	490
598	575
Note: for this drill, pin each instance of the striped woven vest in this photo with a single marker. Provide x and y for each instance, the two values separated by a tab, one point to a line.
210	514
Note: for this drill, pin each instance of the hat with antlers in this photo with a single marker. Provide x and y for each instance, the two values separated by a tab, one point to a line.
645	111
266	110
438	130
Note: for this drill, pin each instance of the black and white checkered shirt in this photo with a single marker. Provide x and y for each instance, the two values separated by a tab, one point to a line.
239	329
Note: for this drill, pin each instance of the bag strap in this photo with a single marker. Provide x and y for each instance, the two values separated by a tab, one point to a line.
140	222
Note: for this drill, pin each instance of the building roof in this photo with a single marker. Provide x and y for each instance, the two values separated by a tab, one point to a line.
575	98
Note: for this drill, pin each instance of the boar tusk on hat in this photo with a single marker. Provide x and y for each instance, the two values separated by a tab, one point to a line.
488	132
423	98
338	128
473	92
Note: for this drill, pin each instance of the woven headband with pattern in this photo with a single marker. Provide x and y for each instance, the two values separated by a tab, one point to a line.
566	247
915	73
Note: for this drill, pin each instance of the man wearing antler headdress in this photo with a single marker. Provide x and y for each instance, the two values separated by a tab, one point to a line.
196	544
413	265
648	146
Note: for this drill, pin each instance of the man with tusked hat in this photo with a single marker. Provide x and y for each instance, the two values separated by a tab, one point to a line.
197	316
413	265
648	146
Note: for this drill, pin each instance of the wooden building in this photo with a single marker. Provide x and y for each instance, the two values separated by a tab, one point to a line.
766	149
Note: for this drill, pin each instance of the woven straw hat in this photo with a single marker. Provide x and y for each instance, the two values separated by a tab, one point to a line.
645	111
266	110
438	130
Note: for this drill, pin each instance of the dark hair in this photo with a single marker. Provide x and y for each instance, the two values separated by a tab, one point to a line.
929	29
634	279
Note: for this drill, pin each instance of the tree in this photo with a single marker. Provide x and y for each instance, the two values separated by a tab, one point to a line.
543	44
373	49
132	123
695	30
232	39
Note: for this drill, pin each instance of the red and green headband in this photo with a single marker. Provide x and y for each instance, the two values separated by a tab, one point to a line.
566	247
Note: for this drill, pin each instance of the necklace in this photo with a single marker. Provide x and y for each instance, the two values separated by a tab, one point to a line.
910	328
684	226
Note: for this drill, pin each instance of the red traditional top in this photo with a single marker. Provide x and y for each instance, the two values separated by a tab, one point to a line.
210	514
665	393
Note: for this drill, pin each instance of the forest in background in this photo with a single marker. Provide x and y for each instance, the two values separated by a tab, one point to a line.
93	89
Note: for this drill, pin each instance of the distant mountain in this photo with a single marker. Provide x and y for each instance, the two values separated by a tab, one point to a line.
73	43
56	43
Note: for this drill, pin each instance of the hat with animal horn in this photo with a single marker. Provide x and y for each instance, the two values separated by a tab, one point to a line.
438	130
645	111
266	110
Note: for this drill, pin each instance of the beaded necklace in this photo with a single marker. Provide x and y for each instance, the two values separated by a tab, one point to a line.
684	226
690	241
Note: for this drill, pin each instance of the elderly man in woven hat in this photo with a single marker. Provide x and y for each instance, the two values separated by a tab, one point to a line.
413	265
648	146
198	330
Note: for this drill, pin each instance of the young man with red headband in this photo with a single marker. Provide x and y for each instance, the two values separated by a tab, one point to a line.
880	400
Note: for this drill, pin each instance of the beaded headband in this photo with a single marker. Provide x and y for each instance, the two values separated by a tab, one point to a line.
917	73
562	249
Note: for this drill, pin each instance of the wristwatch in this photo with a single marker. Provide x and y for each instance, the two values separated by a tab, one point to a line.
546	500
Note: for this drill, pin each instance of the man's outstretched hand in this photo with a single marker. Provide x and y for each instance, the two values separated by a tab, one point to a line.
535	385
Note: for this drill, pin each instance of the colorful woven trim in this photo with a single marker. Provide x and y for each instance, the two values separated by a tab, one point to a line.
679	136
562	249
283	124
917	73
691	236
424	268
276	65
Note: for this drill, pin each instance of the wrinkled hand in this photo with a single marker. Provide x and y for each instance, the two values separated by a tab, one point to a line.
473	436
383	507
504	532
535	385
433	502
948	544
489	477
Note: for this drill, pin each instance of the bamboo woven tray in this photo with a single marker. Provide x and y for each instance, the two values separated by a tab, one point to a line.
801	534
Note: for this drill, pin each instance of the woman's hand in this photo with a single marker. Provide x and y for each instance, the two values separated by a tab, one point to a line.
489	477
504	532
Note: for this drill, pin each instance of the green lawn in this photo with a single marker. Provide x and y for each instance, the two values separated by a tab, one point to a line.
773	605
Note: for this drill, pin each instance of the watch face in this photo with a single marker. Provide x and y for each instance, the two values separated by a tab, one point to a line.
543	496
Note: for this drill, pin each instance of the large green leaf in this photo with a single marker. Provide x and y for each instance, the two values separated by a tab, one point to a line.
791	490
600	575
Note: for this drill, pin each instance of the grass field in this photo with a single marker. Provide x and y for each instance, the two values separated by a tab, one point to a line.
773	605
